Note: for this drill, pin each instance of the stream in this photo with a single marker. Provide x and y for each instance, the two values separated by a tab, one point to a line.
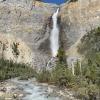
35	91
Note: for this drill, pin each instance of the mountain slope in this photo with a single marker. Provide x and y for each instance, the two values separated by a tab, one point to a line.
31	23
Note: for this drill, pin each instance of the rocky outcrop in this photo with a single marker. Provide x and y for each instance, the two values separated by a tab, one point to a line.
14	49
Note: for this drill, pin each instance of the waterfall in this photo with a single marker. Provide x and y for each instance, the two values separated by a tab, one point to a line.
54	37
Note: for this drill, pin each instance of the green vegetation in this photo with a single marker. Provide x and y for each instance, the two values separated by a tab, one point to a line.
90	48
9	69
86	82
60	75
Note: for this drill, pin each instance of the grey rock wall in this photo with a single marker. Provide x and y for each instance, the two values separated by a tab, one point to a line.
78	18
28	21
28	25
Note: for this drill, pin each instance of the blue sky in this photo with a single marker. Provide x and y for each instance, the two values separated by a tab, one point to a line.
54	1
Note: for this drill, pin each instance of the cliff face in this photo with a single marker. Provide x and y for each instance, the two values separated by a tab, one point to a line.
77	19
28	21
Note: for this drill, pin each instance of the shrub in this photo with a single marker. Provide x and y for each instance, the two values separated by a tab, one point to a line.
9	69
43	76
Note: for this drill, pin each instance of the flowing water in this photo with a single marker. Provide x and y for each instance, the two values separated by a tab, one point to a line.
35	91
54	37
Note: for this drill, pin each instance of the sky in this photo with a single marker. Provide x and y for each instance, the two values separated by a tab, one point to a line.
54	1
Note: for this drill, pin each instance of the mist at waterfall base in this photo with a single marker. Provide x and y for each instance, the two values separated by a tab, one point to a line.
54	36
54	1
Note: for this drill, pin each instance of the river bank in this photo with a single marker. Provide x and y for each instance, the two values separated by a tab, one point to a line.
15	89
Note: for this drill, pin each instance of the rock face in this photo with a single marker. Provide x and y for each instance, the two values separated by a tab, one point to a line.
14	49
78	18
27	22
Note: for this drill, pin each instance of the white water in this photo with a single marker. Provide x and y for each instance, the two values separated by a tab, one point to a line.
54	38
49	62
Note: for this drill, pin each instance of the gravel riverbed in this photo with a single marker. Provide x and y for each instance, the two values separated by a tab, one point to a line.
15	89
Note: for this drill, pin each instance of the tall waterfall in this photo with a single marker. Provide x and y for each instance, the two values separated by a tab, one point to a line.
54	37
